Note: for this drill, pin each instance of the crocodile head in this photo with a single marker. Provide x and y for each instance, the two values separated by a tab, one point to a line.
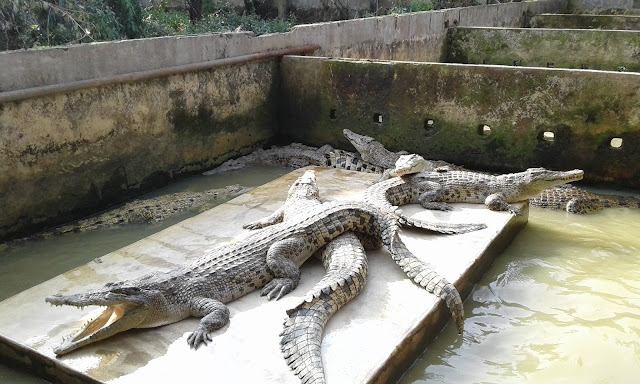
127	307
408	164
304	187
359	141
535	180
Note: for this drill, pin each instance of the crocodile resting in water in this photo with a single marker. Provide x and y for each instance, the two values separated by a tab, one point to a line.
266	258
574	200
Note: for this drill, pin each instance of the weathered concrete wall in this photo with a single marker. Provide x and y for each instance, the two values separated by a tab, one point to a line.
418	36
587	5
439	110
91	148
583	21
72	154
592	49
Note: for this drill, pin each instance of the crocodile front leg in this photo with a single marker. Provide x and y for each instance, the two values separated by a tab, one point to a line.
279	260
274	218
214	316
433	197
498	202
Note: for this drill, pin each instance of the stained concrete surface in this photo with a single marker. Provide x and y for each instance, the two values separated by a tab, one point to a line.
361	342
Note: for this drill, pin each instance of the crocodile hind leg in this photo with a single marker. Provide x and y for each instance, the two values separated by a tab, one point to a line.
346	264
433	197
279	260
214	316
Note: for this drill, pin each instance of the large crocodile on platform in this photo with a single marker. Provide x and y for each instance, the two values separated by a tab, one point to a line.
437	189
563	197
346	264
265	258
344	259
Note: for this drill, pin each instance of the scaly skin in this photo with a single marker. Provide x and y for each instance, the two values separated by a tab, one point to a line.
397	191
496	192
266	258
346	264
574	200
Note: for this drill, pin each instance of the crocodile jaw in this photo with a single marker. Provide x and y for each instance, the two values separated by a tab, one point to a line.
114	319
539	179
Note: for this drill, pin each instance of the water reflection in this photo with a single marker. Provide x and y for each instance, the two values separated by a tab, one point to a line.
561	304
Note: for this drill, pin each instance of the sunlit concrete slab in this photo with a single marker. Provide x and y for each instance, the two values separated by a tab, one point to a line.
372	339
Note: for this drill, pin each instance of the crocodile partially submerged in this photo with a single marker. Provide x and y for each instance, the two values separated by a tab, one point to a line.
579	201
144	211
267	258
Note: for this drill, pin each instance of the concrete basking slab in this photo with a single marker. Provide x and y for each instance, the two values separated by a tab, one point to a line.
372	339
570	48
585	21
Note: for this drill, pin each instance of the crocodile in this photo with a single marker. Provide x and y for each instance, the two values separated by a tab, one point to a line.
139	211
579	201
437	189
563	197
344	259
346	264
265	259
294	155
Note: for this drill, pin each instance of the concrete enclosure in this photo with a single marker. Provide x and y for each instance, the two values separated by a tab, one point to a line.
95	147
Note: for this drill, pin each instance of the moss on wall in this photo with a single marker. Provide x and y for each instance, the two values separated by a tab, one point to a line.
439	110
592	49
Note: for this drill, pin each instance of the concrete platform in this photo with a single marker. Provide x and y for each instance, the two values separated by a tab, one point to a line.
372	339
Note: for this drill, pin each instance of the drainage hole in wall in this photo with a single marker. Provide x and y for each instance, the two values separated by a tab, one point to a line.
429	124
484	130
616	142
377	118
332	115
551	65
622	68
548	136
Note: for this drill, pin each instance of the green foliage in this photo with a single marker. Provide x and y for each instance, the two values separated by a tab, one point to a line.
218	16
33	23
404	6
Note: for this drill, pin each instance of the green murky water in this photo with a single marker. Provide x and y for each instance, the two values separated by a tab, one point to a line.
24	265
561	304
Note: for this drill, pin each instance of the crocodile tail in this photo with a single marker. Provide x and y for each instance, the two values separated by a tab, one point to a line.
347	160
441	227
346	264
423	274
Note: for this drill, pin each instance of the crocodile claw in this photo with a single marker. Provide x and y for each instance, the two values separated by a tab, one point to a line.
199	336
277	288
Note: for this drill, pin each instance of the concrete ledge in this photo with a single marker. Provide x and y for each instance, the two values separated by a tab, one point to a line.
584	21
372	339
579	49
